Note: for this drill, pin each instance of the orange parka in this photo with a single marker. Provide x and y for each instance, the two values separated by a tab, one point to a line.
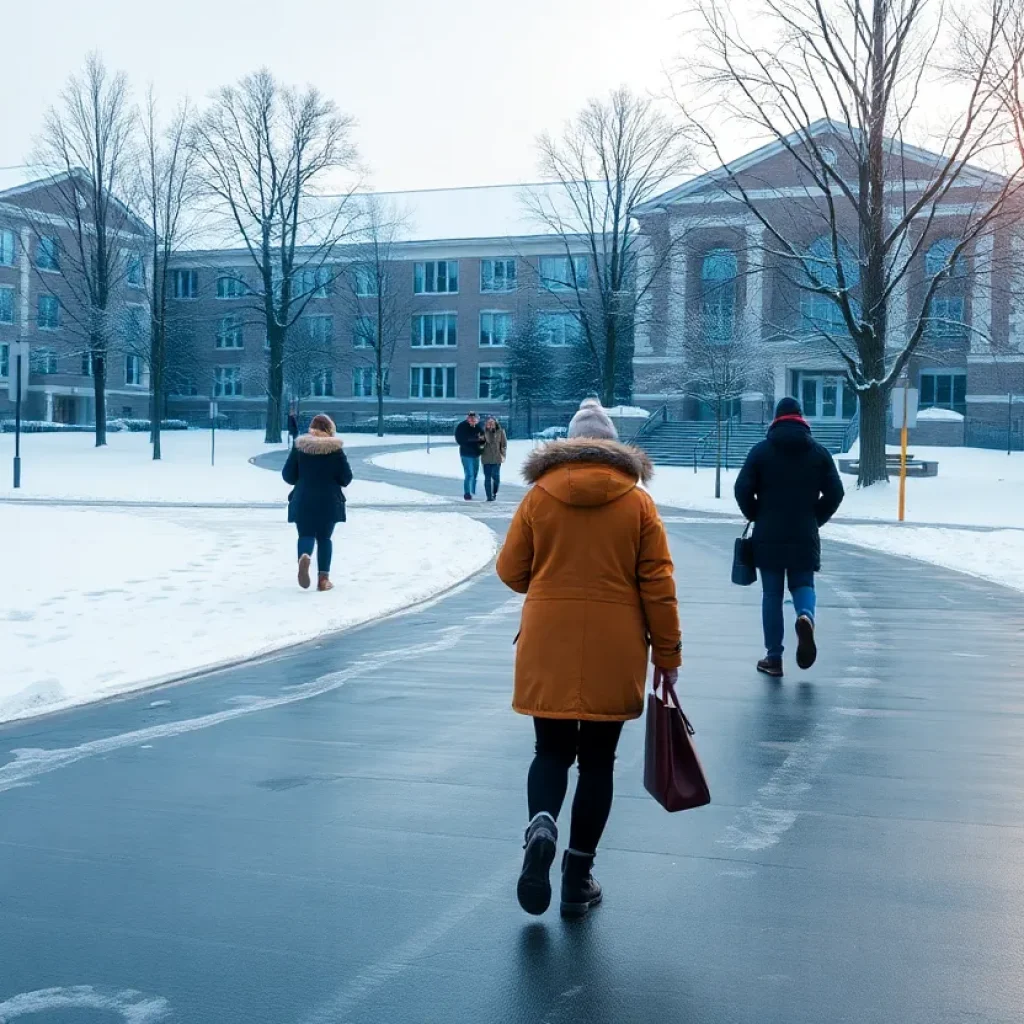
589	550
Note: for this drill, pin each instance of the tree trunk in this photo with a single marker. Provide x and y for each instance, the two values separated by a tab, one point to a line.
873	429
99	384
1009	423
608	378
275	385
718	458
380	403
156	383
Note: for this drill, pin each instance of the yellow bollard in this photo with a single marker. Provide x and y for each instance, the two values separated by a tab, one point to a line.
903	457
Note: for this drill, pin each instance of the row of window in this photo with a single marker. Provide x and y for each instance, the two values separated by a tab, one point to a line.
44	362
431	277
424	382
429	330
47	256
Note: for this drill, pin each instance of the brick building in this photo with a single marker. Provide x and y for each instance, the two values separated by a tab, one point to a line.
730	275
40	303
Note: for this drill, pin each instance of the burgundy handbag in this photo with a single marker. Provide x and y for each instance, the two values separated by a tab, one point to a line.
672	771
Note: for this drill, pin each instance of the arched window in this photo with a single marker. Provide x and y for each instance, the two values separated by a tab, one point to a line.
946	313
819	311
718	295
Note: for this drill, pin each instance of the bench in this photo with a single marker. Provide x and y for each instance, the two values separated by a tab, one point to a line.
915	467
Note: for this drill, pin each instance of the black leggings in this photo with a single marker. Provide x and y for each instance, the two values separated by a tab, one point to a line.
560	742
321	537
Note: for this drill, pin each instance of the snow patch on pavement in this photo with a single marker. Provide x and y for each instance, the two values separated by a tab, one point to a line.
100	602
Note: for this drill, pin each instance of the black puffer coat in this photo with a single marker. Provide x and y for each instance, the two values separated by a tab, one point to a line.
788	488
318	469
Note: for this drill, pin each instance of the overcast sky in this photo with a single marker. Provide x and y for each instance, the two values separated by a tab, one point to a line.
445	92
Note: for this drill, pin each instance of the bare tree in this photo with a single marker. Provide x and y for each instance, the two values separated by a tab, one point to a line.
271	158
86	141
615	155
379	308
864	68
166	189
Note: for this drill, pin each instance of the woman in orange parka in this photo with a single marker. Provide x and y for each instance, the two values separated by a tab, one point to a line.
589	550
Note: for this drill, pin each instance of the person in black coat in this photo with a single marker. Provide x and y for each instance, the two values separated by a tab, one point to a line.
317	469
293	426
469	436
788	488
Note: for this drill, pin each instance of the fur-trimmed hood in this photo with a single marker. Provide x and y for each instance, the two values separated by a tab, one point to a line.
586	471
317	444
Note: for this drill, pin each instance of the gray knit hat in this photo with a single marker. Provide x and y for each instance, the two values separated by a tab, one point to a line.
592	421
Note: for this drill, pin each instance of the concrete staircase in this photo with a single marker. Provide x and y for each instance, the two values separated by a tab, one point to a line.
676	443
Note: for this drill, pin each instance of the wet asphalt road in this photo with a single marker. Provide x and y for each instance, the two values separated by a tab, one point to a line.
333	834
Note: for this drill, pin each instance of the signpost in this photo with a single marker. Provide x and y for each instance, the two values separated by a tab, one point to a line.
904	416
17	384
213	432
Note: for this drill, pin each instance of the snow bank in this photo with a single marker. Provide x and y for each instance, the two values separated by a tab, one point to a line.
91	594
997	555
936	415
628	412
68	466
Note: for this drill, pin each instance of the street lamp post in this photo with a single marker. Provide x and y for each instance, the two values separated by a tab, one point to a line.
17	386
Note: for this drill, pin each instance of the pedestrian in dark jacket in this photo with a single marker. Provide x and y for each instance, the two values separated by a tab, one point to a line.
318	470
293	427
788	488
494	452
469	436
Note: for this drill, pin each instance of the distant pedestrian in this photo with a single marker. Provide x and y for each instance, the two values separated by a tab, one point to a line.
318	470
494	452
788	488
469	436
589	550
293	427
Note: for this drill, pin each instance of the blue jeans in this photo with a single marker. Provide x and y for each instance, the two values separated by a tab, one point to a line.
471	468
321	538
492	480
801	586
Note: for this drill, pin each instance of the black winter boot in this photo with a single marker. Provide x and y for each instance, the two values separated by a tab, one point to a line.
807	649
770	667
580	890
534	888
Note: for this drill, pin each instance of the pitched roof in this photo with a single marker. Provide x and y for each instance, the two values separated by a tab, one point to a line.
823	127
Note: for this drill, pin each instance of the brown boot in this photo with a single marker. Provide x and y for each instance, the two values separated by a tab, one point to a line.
304	581
324	582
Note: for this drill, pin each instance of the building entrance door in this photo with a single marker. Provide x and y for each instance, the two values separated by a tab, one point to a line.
826	396
65	409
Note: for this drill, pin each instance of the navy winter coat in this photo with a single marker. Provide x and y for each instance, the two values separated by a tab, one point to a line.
788	488
318	469
470	440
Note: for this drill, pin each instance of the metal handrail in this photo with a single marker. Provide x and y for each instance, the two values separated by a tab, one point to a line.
852	432
700	445
648	424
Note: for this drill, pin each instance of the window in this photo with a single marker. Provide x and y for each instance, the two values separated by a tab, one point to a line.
364	380
6	248
231	286
320	331
48	313
944	390
185	388
229	332
560	273
48	254
437	277
313	282
227	382
133	370
818	311
185	284
431	381
495	329
497	275
133	271
364	280
433	330
946	312
718	295
5	360
6	305
558	329
43	360
492	382
323	384
364	332
86	363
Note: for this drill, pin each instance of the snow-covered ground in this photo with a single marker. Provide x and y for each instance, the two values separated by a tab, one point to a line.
68	466
975	487
97	602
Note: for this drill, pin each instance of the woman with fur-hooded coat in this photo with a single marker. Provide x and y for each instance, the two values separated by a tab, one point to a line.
318	470
588	549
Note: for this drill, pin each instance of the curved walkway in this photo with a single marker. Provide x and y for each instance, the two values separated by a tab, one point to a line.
332	834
